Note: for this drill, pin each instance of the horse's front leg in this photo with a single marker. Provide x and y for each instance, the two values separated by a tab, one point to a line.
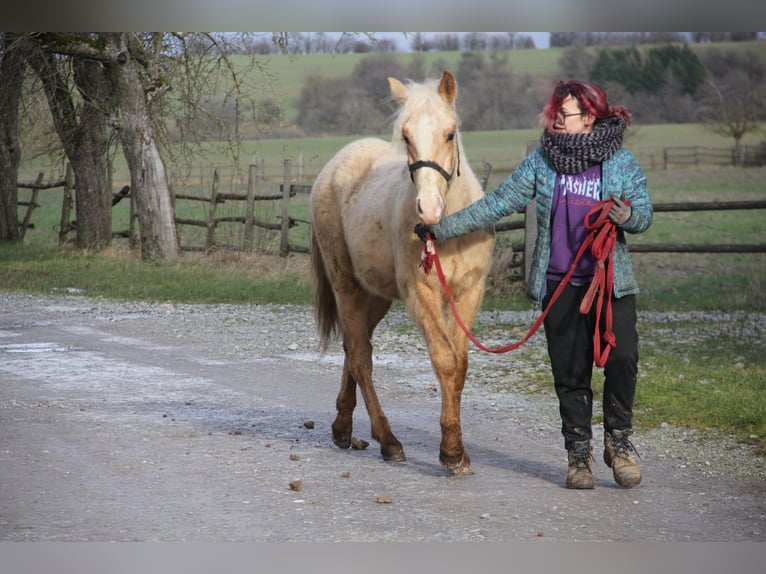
453	365
449	362
467	306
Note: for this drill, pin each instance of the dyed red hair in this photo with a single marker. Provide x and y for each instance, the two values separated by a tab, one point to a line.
590	98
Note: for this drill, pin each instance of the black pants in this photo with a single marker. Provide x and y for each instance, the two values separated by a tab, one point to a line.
570	347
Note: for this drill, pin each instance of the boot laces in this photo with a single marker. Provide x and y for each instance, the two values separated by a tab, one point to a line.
581	458
622	444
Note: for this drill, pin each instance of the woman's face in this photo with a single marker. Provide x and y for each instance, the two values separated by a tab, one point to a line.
571	120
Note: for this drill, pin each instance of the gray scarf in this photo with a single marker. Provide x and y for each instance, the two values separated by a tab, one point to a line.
574	153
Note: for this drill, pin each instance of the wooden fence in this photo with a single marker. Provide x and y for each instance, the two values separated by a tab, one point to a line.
285	193
529	225
66	224
689	156
522	249
283	223
67	183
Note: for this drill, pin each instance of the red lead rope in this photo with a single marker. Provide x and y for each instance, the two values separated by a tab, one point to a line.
601	238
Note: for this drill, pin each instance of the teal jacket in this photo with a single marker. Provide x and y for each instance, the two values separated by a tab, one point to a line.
534	178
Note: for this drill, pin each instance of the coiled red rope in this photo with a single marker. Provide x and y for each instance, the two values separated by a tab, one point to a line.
600	238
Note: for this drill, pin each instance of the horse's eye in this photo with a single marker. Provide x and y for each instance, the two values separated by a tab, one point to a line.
451	136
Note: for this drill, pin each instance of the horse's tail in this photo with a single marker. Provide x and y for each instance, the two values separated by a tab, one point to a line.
325	306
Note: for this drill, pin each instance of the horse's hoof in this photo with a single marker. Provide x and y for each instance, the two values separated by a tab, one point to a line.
458	465
462	470
393	454
341	439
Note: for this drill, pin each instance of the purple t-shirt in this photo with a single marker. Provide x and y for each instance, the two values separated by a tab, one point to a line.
573	198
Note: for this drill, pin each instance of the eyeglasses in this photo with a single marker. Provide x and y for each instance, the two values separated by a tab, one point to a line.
564	116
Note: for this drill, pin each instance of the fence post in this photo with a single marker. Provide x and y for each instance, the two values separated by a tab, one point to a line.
66	204
31	206
530	236
284	245
485	175
250	209
210	243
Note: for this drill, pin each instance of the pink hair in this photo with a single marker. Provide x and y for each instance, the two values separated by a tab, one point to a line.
590	98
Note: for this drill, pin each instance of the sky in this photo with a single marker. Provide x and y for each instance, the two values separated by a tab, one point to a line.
541	39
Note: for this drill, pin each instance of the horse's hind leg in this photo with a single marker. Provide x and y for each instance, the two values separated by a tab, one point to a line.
345	404
360	314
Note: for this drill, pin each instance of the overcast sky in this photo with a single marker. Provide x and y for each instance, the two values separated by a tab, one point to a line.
541	39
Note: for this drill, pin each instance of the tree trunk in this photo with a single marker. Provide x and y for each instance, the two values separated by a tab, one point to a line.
93	196
148	175
85	140
11	75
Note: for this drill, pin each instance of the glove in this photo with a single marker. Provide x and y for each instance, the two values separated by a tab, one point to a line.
621	211
421	229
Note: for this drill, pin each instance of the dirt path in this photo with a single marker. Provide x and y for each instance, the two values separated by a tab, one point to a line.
164	422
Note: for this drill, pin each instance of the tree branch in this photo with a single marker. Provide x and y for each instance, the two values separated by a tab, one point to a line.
75	44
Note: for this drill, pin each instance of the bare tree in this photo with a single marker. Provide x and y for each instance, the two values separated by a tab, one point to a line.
11	74
148	175
107	65
734	96
79	97
576	62
103	83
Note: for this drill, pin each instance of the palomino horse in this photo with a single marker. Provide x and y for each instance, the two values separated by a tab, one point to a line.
365	204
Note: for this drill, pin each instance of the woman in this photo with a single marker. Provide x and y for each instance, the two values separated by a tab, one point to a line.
580	162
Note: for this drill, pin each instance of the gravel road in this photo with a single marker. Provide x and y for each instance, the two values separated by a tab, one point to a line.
141	422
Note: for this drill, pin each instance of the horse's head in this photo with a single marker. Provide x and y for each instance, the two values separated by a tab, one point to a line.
427	125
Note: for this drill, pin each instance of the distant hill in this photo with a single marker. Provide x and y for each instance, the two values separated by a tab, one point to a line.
287	73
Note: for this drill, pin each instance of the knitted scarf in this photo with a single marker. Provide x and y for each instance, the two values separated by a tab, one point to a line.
574	153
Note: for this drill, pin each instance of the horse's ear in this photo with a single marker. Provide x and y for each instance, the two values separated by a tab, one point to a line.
448	88
398	90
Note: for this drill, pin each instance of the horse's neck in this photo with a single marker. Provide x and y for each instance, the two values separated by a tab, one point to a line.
464	189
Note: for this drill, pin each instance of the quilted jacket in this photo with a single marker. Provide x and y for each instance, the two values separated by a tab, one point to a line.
534	179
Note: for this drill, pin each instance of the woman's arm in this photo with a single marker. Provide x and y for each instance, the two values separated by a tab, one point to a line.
509	197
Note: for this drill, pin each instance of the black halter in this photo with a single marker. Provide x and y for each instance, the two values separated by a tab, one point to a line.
415	165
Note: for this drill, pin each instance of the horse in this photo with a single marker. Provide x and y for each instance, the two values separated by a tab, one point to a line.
365	203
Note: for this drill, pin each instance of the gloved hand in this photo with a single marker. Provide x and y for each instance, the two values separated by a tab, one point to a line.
620	212
421	229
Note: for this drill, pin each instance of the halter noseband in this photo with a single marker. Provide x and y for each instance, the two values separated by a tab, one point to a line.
415	165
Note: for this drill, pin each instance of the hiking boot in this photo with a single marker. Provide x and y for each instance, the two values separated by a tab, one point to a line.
617	449
580	471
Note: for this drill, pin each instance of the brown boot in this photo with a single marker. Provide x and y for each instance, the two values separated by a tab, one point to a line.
617	449
580	471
